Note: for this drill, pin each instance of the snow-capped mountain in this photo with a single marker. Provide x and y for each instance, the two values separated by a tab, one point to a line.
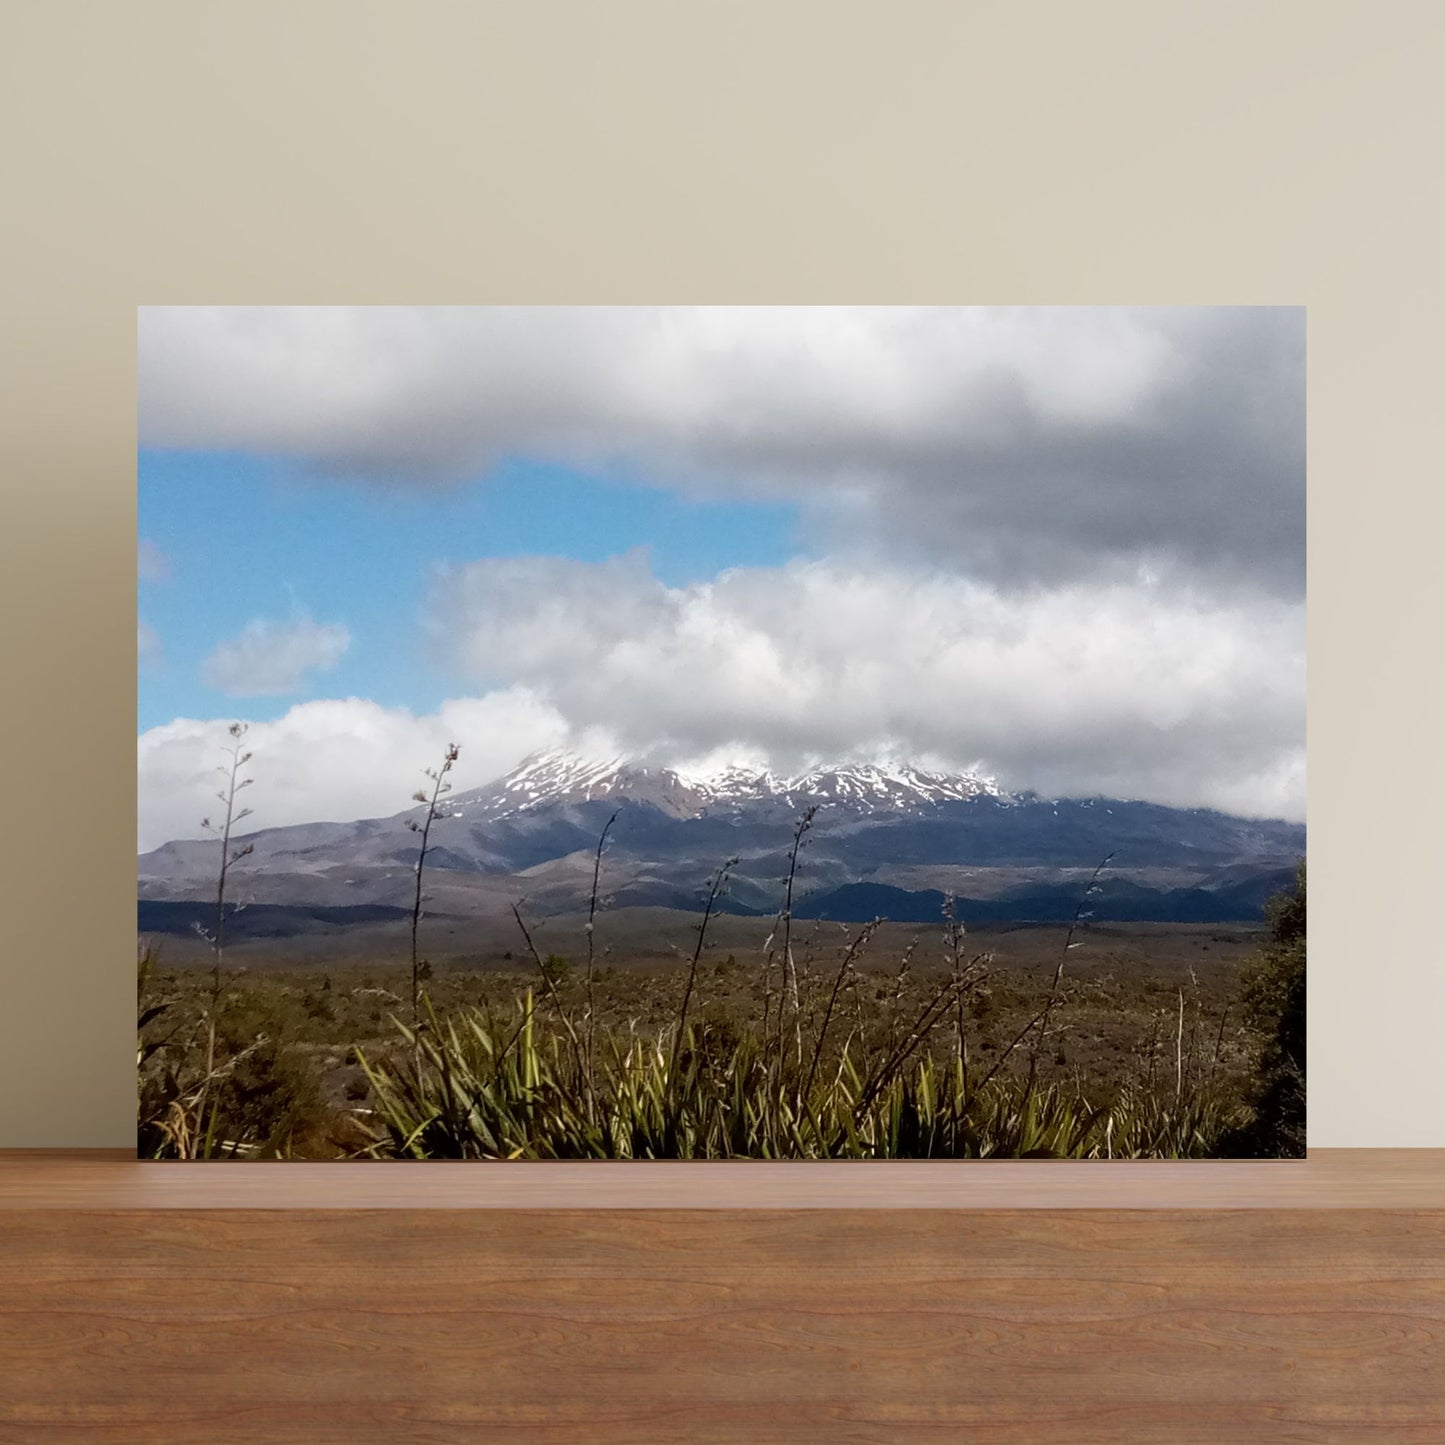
550	778
887	838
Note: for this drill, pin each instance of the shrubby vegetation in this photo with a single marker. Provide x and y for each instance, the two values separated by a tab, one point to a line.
790	1055
1274	1000
913	1057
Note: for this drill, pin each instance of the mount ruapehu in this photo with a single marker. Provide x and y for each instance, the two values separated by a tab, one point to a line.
890	841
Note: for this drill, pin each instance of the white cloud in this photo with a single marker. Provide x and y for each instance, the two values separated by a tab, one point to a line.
152	565
1021	443
1131	690
271	658
147	643
332	761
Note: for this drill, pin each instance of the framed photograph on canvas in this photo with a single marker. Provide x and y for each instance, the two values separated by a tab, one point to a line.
721	733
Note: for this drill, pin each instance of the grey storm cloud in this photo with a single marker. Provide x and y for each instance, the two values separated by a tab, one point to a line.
1023	445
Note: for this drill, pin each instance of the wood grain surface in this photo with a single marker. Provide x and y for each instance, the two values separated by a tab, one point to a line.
373	1326
358	1324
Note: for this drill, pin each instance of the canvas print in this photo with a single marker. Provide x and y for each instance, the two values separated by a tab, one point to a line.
721	733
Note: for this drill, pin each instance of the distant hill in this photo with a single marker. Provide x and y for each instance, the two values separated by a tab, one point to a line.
259	920
1117	901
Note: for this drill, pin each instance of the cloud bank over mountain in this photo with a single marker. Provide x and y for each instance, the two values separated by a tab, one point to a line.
1085	688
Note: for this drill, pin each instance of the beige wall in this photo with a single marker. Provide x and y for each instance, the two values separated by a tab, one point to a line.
345	151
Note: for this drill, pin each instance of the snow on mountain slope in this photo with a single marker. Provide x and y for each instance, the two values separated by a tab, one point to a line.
554	777
550	778
891	787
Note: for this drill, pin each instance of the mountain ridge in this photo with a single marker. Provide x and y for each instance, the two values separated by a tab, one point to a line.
556	775
534	832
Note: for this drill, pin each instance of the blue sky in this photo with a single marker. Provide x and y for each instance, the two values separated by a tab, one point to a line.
246	539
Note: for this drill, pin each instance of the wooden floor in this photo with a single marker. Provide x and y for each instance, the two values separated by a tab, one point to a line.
194	1319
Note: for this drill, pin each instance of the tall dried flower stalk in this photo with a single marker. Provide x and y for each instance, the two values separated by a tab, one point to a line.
237	756
436	810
